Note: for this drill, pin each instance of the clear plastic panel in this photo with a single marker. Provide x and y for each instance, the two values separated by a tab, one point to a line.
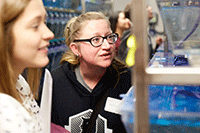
182	29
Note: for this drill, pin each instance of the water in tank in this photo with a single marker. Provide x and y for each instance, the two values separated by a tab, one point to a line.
181	20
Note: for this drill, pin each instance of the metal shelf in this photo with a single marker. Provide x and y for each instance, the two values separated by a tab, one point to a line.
143	75
176	75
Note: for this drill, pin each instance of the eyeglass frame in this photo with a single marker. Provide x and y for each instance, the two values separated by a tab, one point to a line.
90	40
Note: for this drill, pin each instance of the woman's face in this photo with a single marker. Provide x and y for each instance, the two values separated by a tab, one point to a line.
101	56
31	37
123	22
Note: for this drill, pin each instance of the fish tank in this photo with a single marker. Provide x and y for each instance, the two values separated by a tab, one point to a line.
172	109
181	19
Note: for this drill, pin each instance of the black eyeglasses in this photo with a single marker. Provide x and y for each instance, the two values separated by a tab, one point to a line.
97	41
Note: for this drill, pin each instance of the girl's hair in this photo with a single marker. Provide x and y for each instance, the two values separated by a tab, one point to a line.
9	12
114	19
127	10
72	30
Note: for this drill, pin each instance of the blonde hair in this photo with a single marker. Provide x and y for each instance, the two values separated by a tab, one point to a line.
9	12
72	30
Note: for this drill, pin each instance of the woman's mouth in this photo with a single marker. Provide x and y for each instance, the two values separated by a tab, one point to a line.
43	49
108	55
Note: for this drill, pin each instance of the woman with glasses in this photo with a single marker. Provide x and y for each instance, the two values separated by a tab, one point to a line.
88	84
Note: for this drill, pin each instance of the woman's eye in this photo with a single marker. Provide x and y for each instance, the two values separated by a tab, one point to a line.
110	37
35	26
96	39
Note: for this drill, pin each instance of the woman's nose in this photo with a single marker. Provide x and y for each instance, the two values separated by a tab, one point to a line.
48	34
105	44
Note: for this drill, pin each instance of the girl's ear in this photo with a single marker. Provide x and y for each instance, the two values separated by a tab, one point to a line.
74	48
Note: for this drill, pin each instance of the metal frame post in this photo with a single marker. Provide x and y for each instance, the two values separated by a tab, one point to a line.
140	79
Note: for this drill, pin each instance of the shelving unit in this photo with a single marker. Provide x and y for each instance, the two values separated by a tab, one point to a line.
143	75
104	6
59	12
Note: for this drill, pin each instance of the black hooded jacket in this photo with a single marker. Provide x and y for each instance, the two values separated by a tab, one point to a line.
72	103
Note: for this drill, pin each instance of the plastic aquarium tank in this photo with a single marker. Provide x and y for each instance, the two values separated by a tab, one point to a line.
182	25
172	109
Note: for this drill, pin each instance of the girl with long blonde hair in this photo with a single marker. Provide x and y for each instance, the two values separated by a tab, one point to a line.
23	45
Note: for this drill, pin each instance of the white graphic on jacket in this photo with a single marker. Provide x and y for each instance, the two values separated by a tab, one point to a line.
78	121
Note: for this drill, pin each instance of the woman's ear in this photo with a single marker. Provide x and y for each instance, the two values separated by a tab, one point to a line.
74	48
